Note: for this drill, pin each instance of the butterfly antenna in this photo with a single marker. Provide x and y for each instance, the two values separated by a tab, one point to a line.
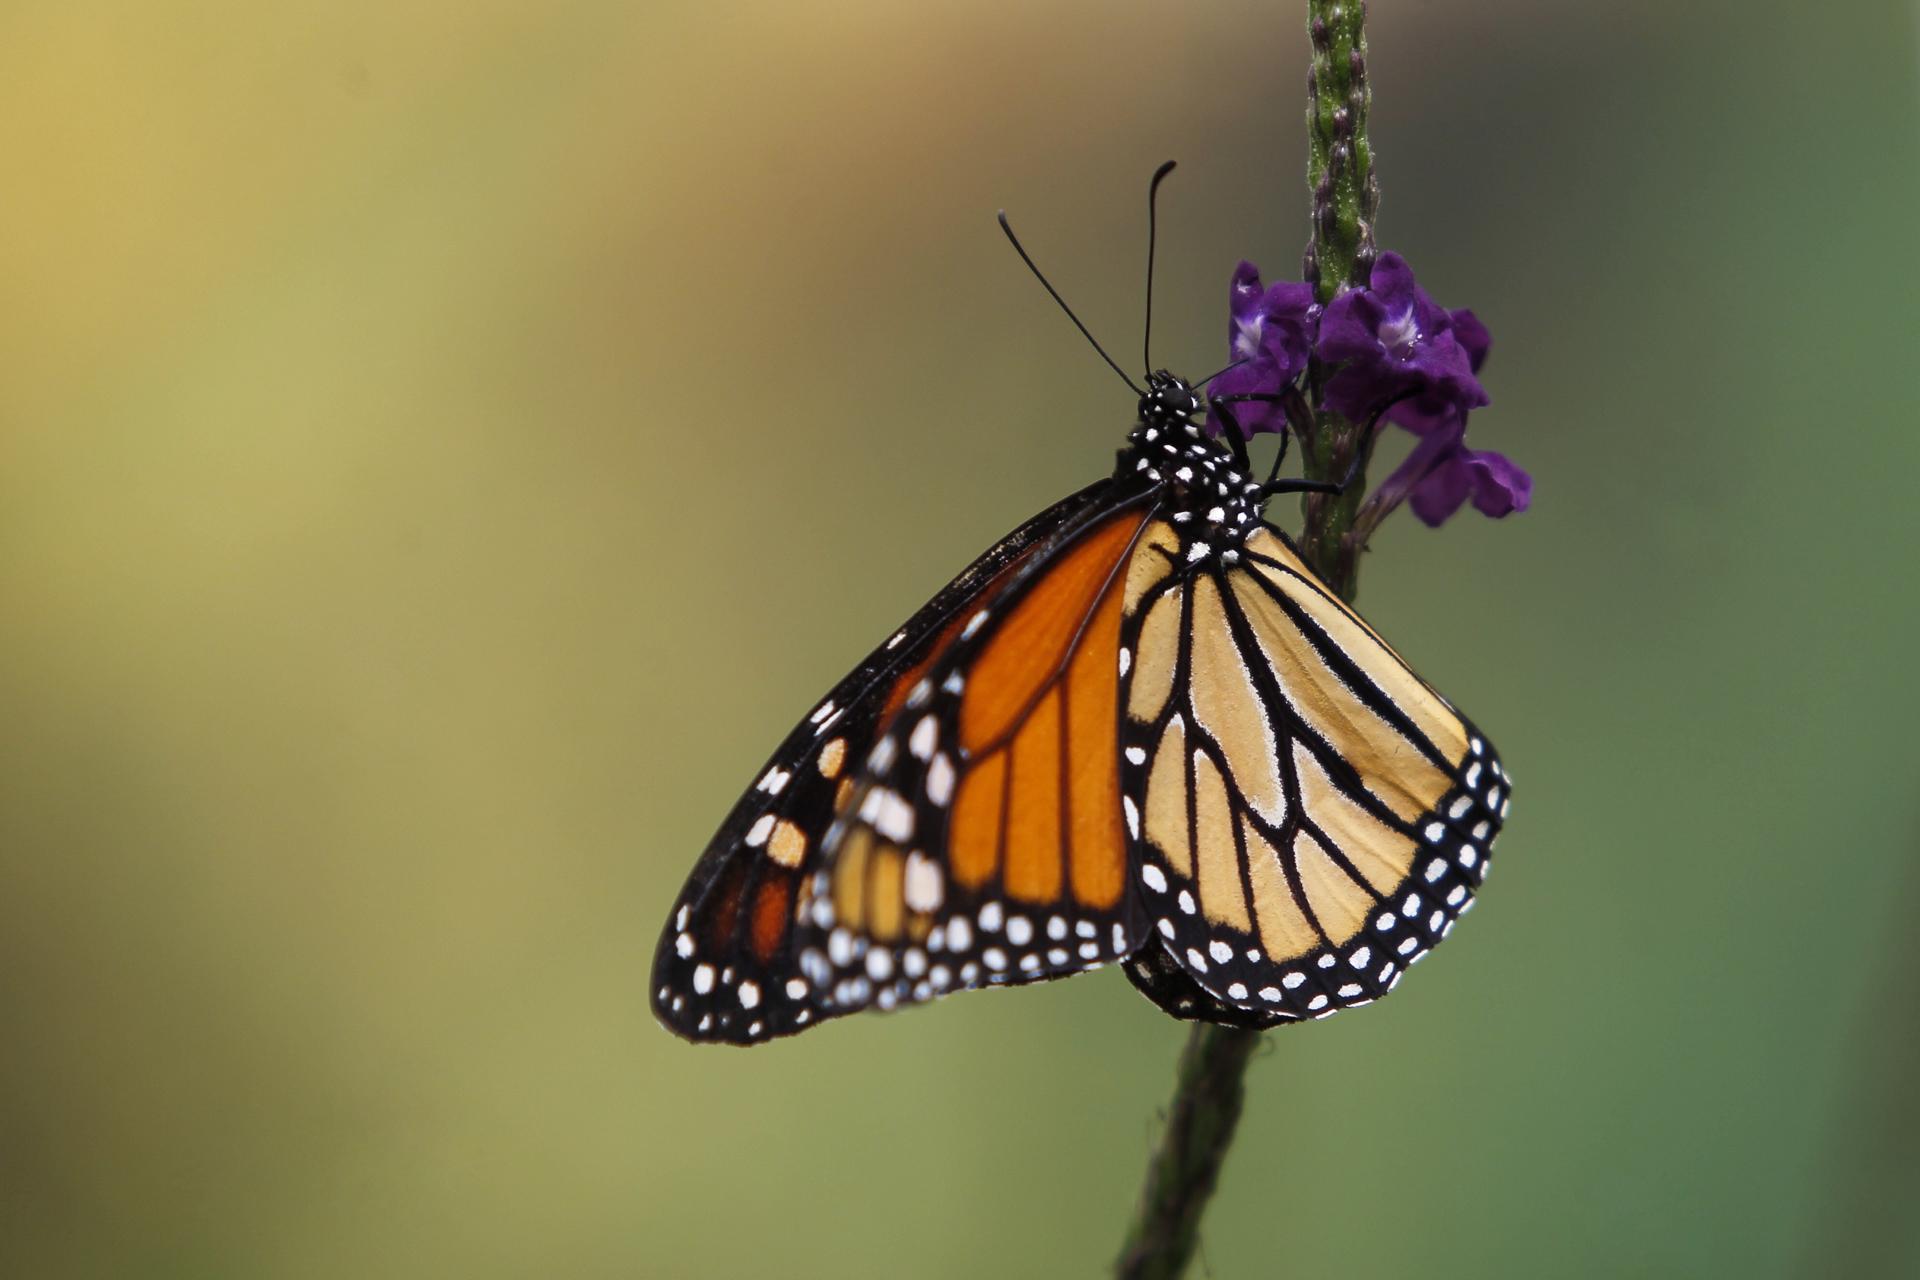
1201	385
1153	191
1019	249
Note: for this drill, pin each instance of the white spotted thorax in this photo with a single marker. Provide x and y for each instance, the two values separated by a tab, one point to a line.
1215	503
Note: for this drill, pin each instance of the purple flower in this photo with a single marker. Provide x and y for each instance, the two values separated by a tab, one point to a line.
1393	342
1442	473
1270	335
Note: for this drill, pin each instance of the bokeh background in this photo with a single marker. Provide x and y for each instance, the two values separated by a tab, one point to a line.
446	445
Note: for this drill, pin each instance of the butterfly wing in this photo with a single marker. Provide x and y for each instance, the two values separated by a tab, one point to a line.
1313	816
984	843
723	964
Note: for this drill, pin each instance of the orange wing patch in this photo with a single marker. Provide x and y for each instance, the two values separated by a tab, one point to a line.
987	841
1039	800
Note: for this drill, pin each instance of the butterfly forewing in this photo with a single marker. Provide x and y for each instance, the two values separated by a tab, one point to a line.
726	967
984	843
1313	817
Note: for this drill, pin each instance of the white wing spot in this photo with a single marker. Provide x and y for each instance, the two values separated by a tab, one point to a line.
1220	951
940	780
703	979
1154	878
990	917
925	735
1133	816
757	833
1136	755
974	623
895	819
1186	902
683	945
1237	991
749	994
1198	961
1019	931
925	887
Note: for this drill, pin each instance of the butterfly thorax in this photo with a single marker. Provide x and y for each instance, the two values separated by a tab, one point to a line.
1208	496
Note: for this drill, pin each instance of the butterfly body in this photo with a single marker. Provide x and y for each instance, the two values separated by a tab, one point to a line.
1137	730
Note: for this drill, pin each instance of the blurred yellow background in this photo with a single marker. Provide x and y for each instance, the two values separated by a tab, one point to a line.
444	446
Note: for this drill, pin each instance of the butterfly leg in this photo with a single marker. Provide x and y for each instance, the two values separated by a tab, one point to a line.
1237	438
1273	487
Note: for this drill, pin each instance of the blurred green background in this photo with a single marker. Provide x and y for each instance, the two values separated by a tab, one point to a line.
446	445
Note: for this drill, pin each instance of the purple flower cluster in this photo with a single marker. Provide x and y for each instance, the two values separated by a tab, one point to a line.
1389	350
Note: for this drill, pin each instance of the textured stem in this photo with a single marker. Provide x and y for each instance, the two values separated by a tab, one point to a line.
1346	195
1200	1123
1210	1088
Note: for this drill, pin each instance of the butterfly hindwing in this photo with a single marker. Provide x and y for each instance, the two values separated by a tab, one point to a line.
1313	816
726	963
985	842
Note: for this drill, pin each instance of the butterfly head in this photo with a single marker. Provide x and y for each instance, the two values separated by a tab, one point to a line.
1169	401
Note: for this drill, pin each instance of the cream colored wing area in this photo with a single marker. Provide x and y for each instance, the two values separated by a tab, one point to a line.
1285	931
1360	642
1389	764
1311	817
1229	708
1167	828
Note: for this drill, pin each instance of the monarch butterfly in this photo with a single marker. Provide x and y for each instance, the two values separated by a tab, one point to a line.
1139	729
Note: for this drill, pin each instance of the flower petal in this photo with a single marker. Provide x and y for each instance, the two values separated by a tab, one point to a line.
1500	488
1442	491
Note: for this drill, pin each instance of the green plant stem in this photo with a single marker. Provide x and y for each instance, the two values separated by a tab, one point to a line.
1346	197
1210	1088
